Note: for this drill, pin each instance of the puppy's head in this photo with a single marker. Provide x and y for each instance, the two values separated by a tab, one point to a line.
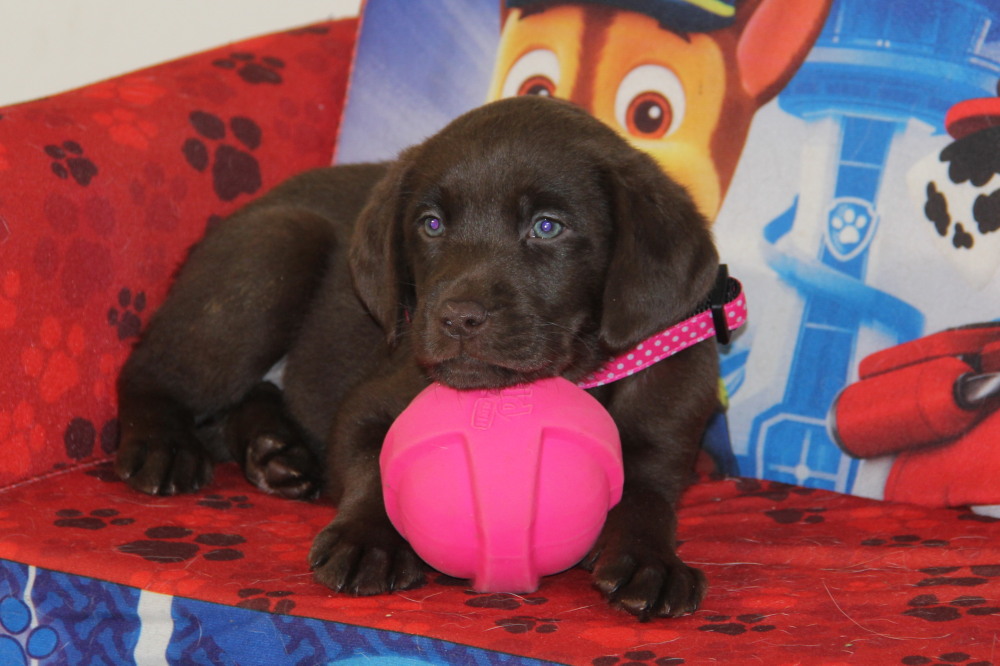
527	240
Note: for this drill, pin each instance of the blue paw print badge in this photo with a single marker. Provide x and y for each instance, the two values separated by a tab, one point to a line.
850	227
18	641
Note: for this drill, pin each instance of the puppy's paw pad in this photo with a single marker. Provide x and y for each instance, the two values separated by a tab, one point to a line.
650	587
163	464
279	467
365	561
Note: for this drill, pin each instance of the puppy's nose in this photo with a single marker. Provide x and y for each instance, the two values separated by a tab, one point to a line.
462	319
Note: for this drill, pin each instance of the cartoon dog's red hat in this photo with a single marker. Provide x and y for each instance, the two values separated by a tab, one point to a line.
681	16
972	115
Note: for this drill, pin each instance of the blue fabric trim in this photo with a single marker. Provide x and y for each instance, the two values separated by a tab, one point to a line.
58	618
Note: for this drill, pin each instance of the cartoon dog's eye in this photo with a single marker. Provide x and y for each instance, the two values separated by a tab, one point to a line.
650	102
432	226
537	85
534	73
546	228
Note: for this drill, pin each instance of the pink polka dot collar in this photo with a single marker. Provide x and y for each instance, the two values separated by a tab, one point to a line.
727	311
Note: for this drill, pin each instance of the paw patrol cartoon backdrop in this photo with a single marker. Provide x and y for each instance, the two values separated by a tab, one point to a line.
847	152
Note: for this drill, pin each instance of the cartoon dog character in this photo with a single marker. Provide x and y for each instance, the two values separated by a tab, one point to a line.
681	79
933	404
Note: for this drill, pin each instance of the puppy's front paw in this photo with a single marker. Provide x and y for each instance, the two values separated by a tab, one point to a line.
648	584
163	462
364	559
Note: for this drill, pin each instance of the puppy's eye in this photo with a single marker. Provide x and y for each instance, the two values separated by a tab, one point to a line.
546	228
650	102
432	226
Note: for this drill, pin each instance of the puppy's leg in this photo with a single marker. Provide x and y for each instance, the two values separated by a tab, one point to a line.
231	314
634	563
360	552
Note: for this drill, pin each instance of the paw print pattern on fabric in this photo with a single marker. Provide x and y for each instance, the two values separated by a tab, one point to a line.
164	545
69	161
500	601
523	624
226	503
252	69
960	658
54	362
794	516
724	624
10	289
17	643
637	657
938	576
81	437
234	170
904	540
97	519
930	608
127	320
770	490
257	599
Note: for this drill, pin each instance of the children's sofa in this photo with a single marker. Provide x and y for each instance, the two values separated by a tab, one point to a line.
102	189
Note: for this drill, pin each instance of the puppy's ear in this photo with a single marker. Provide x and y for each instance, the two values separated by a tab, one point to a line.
663	261
376	256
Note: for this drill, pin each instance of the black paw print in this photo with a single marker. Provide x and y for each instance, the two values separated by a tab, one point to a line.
226	503
69	161
127	319
81	436
523	624
930	608
255	598
234	171
164	545
947	658
794	516
637	657
939	576
771	490
724	624
97	519
905	540
253	69
500	601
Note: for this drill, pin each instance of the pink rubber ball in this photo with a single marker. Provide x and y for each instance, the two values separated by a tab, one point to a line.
502	487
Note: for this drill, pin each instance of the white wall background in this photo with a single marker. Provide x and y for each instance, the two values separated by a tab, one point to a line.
48	46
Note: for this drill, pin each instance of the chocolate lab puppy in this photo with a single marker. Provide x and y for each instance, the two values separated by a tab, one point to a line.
525	240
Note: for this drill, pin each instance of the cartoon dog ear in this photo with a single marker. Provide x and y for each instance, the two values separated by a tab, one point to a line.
663	261
376	254
775	37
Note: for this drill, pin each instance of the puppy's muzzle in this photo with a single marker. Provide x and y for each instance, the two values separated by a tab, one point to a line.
463	319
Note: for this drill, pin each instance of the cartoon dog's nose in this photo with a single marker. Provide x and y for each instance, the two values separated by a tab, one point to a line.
462	319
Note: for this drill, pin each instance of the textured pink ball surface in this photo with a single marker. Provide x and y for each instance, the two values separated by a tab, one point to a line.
502	487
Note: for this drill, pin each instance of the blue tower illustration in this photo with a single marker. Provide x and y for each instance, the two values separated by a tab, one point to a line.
875	67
